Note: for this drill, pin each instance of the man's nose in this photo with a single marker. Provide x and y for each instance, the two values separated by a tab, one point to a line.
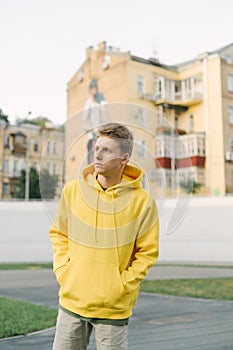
98	155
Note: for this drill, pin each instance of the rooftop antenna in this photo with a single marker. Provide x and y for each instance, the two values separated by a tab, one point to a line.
154	48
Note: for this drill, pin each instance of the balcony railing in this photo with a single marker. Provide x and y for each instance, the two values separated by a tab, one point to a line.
177	98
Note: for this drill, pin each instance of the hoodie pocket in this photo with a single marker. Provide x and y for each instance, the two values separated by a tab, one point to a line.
92	284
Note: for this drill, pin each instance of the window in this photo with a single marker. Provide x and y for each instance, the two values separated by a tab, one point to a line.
141	148
48	167
35	146
16	168
230	115
54	148
231	145
54	168
6	188
6	141
48	147
177	88
152	174
20	138
35	165
5	165
159	88
140	84
15	165
230	82
140	117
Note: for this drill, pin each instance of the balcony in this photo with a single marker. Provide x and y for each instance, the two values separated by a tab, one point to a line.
184	150
175	93
18	143
186	99
14	173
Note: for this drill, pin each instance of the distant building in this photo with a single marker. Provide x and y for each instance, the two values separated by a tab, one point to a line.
41	147
196	97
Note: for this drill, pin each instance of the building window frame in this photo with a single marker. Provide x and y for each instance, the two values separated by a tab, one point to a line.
6	141
230	82
54	168
35	146
140	84
140	117
6	188
48	147
230	115
141	150
6	165
54	148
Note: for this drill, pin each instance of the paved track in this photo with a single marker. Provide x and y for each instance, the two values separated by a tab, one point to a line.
159	322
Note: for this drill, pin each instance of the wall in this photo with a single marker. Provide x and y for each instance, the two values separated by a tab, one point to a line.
204	235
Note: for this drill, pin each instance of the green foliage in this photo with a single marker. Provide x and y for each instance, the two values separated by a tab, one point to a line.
190	186
34	188
48	184
19	317
207	288
26	266
43	186
3	117
40	121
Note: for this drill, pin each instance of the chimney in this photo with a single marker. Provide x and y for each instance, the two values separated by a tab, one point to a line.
102	46
89	51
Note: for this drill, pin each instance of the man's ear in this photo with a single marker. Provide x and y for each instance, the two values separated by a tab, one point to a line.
125	159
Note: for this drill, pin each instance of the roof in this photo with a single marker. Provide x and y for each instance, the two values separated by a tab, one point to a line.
225	50
153	62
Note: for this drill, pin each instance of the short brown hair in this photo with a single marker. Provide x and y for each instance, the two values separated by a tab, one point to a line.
120	133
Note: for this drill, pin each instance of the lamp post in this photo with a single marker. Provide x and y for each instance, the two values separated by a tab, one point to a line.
27	170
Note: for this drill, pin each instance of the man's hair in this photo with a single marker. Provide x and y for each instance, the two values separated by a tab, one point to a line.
120	133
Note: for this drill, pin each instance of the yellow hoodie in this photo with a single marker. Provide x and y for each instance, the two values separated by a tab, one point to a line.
104	243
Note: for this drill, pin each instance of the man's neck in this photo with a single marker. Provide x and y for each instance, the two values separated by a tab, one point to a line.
108	181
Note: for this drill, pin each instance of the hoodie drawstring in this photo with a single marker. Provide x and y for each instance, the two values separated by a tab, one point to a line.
96	216
114	195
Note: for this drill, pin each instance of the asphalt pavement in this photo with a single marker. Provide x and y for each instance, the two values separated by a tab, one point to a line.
158	323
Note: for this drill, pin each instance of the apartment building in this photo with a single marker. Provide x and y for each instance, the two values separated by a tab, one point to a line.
28	145
181	115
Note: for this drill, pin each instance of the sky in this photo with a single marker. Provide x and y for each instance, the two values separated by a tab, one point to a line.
43	42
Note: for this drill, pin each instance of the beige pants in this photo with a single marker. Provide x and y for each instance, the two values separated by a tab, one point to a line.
74	334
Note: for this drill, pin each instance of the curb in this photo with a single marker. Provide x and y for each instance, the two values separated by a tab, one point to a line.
28	334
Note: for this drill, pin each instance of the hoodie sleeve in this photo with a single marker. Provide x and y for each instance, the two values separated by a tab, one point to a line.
146	250
59	237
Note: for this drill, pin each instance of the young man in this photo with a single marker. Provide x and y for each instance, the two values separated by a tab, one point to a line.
105	239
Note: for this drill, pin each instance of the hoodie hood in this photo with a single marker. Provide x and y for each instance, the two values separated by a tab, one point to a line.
131	177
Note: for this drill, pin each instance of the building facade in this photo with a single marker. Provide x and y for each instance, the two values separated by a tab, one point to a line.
25	146
181	115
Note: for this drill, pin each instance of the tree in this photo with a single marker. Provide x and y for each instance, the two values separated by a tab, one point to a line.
190	186
40	187
4	117
40	121
34	188
48	184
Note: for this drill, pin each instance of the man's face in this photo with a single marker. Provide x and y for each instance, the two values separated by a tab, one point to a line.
108	157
